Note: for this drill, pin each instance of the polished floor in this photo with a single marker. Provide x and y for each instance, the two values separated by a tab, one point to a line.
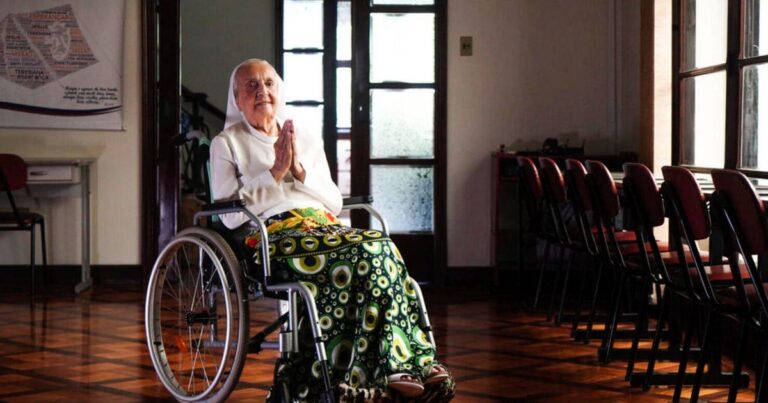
92	348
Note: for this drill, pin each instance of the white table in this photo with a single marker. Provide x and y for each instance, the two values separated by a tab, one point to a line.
46	177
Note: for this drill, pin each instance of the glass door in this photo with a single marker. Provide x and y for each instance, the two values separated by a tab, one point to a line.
398	130
372	76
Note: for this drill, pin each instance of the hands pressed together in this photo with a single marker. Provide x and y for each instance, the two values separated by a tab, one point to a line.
286	157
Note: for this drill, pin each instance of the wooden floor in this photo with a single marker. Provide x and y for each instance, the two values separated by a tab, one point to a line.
92	348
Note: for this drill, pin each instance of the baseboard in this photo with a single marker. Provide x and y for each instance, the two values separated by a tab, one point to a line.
69	275
469	276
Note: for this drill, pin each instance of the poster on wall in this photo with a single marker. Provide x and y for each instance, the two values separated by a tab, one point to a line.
61	64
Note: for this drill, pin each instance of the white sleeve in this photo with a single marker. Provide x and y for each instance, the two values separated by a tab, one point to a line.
317	181
226	185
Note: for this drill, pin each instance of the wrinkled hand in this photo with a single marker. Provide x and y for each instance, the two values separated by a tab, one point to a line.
297	170
283	152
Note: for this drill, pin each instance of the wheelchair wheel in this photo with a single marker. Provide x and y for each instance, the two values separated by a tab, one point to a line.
196	317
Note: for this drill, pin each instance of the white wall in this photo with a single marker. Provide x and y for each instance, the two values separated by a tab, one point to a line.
115	208
540	69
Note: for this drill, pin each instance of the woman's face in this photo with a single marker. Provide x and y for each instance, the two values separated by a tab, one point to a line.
256	92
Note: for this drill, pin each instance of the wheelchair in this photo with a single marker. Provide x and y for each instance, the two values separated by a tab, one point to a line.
197	309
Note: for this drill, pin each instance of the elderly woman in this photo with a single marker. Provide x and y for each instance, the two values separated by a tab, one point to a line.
368	310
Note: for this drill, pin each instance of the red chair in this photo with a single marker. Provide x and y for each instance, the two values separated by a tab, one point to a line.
606	205
738	209
557	203
708	286
539	224
13	176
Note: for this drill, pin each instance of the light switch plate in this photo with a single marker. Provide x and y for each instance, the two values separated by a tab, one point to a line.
465	46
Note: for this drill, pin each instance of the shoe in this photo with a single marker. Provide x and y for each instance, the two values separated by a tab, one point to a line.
437	373
406	385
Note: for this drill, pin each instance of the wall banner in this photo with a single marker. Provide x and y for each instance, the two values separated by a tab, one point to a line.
61	64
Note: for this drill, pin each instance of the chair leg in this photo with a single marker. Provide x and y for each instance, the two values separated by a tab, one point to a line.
541	274
553	295
32	257
579	303
610	330
641	320
761	390
559	317
656	339
738	361
46	272
683	364
703	358
593	308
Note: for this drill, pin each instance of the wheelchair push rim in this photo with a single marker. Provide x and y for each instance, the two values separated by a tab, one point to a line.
183	319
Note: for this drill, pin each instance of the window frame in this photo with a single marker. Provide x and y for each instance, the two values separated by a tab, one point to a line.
733	67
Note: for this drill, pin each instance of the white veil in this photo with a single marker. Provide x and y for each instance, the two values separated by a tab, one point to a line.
234	116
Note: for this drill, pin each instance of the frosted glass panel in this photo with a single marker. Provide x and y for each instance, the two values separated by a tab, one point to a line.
344	165
704	120
402	123
344	31
303	24
404	196
343	97
303	76
402	47
307	118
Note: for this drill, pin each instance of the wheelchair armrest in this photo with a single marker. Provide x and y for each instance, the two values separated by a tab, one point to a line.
227	205
364	203
366	199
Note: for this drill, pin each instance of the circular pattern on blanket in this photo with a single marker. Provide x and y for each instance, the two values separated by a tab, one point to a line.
373	248
287	245
371	318
421	338
372	233
353	237
308	264
410	291
341	274
363	267
340	352
312	288
325	322
332	240
358	377
362	345
391	268
310	243
401	350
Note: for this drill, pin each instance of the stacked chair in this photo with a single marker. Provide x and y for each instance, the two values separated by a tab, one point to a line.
576	212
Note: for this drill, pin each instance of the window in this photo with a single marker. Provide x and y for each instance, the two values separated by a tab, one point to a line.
722	120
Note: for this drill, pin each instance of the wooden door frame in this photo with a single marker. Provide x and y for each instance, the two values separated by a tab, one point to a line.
160	122
361	143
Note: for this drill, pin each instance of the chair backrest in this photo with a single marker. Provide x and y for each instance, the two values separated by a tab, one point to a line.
689	222
640	185
529	178
13	176
742	215
14	172
605	200
576	176
746	207
554	187
691	201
